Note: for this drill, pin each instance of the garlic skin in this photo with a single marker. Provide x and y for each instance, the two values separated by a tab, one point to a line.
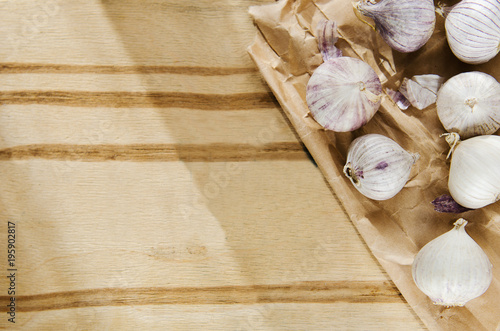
473	30
406	25
474	179
421	90
398	98
343	94
469	104
452	269
328	35
377	166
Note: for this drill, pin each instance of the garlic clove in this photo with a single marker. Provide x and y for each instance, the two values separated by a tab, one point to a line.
452	269
406	25
473	30
474	178
446	204
343	94
377	166
421	90
469	104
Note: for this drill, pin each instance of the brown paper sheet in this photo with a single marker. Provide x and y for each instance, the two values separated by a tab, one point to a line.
286	53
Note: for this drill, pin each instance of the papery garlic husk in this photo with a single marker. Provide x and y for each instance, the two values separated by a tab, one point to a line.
343	94
328	35
377	166
398	98
452	269
474	179
421	90
473	30
469	104
406	25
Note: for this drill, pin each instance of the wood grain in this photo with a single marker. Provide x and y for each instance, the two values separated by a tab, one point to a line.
304	292
37	68
240	101
155	183
157	152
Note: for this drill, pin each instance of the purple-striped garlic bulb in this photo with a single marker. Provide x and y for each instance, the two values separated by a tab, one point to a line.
377	166
473	30
405	25
343	93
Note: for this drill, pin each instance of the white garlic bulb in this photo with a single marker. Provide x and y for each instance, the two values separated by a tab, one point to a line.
406	25
452	269
473	30
343	93
469	104
377	166
474	179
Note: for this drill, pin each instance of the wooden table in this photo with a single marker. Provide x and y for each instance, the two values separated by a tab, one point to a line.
155	183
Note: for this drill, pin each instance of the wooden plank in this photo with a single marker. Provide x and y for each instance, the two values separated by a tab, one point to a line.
275	316
42	124
120	32
90	81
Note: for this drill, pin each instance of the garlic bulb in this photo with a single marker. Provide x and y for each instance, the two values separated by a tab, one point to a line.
473	30
343	93
474	179
377	166
452	269
406	25
469	104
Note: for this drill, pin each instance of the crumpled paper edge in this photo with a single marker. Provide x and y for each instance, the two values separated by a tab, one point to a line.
285	80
